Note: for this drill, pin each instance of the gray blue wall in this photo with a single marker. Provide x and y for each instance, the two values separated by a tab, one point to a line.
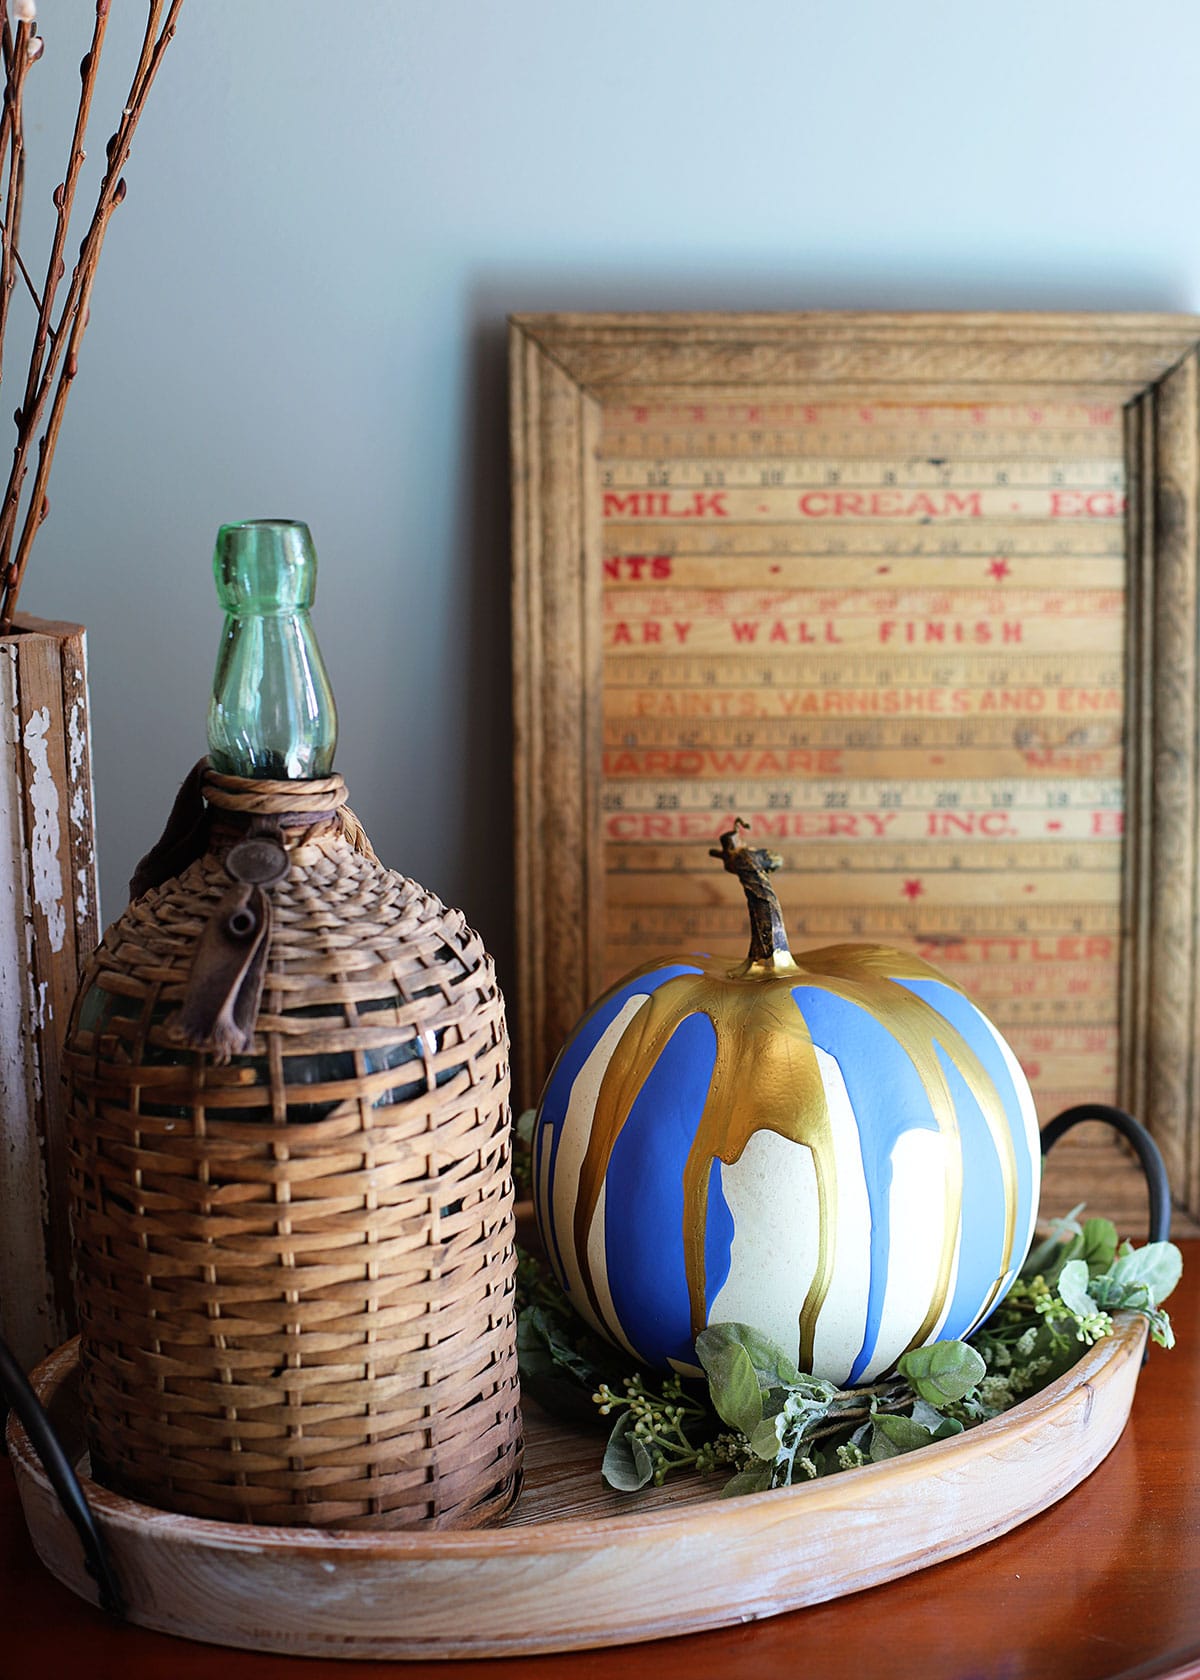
331	210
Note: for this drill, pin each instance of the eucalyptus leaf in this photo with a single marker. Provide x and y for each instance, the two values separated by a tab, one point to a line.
554	1373
927	1415
1099	1245
747	1481
1045	1259
627	1465
773	1367
1157	1266
942	1372
1073	1283
537	1328
765	1443
894	1434
732	1380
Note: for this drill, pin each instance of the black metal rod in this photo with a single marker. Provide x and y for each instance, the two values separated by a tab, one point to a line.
14	1385
1157	1184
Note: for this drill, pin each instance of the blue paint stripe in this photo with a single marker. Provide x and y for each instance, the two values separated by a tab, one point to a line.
557	1093
643	1229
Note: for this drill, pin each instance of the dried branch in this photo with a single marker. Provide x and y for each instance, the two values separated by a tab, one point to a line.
14	120
64	202
29	285
6	129
54	357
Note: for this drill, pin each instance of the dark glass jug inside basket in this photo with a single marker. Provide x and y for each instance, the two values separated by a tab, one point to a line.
272	717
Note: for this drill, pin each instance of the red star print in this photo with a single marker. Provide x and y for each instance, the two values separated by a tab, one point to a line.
1054	826
999	568
912	889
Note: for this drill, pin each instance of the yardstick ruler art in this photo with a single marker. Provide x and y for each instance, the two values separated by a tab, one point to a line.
917	595
890	637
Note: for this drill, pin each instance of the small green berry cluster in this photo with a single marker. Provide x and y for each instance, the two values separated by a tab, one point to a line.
669	1426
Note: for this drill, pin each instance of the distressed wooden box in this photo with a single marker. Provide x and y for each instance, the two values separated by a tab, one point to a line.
49	922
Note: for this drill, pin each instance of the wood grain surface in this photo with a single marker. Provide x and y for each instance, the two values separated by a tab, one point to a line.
1104	1584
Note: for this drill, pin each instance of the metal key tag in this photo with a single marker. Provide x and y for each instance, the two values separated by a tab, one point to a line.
257	861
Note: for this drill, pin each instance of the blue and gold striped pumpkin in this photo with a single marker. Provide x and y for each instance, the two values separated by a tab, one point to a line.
838	1149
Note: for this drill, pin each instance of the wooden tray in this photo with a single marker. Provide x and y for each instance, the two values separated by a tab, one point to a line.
578	1565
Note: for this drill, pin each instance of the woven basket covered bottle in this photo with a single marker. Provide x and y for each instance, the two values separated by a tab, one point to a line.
295	1245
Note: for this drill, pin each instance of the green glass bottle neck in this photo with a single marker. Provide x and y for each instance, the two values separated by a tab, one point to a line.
272	712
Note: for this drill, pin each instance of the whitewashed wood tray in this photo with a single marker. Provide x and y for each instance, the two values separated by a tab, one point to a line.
576	1564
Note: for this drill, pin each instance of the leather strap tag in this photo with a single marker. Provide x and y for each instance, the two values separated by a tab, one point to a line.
225	986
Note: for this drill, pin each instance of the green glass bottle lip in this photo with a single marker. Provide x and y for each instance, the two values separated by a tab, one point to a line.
265	565
253	524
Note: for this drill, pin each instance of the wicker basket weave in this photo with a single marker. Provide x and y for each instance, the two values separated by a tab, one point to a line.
296	1270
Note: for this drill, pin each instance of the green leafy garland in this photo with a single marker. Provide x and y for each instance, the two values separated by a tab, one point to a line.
771	1425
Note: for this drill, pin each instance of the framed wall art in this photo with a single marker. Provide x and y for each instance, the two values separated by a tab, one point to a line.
915	596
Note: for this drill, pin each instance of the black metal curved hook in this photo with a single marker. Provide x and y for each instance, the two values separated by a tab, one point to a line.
15	1388
1157	1184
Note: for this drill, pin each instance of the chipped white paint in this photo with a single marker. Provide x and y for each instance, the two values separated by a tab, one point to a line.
31	1009
26	1312
46	838
81	800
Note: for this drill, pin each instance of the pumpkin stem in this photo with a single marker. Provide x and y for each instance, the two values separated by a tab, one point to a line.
753	865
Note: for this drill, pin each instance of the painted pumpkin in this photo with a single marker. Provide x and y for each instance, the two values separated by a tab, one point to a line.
838	1149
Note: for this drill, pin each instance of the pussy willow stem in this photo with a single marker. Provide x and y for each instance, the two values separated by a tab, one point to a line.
55	354
17	68
64	203
6	129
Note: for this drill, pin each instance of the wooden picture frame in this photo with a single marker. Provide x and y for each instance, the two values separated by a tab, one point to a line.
568	372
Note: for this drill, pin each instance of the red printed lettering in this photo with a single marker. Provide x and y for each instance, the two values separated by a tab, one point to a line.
890	504
662	504
993	825
1086	504
637	568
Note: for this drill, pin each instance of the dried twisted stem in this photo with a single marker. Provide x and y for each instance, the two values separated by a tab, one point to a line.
64	200
18	56
54	357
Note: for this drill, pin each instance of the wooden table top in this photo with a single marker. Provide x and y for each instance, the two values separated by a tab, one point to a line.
1105	1584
